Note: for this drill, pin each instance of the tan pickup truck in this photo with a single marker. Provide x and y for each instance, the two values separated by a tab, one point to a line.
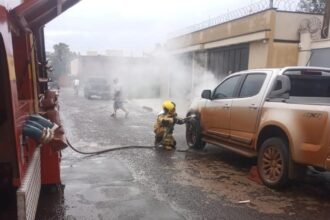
280	116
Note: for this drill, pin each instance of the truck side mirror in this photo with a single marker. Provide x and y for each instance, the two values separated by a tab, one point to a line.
281	87
206	94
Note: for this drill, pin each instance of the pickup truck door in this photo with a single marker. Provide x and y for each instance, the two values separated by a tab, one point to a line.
246	108
216	113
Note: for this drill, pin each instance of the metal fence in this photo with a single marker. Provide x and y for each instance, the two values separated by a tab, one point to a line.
283	5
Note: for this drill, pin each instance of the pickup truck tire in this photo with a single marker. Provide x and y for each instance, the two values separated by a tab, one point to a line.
273	163
193	134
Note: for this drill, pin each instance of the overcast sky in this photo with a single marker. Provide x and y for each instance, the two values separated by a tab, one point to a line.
99	25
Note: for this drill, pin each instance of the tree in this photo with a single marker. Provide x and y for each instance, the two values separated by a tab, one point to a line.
312	6
60	60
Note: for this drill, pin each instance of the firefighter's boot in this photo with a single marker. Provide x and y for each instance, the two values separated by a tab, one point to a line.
167	147
168	142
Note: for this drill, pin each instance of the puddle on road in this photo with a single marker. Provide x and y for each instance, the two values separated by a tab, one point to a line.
220	180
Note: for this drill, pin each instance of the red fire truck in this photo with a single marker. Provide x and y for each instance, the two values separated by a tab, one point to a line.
31	135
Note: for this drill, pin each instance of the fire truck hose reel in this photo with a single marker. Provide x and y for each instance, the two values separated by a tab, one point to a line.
39	129
42	121
32	132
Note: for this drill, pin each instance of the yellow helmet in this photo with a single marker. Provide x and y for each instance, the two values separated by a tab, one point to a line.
168	105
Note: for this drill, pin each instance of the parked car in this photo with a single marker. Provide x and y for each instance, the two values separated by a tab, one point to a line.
280	116
97	86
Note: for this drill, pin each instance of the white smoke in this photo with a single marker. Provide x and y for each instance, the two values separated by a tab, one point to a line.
158	75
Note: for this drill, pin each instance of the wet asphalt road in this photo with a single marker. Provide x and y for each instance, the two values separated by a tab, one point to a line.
157	184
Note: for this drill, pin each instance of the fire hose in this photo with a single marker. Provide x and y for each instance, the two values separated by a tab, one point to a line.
108	149
42	130
115	149
129	146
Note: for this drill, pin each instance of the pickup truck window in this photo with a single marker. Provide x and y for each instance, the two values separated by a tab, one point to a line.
227	88
252	84
310	86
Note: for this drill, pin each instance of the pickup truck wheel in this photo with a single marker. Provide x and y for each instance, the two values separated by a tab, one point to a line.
193	134
273	163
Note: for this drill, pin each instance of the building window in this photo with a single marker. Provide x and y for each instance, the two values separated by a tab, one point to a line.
226	60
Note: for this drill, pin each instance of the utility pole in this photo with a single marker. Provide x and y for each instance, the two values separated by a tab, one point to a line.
271	3
326	18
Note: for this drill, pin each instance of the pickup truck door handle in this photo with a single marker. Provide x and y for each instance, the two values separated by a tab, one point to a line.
226	106
253	106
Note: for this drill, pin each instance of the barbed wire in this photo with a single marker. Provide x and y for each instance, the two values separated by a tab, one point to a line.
287	5
282	5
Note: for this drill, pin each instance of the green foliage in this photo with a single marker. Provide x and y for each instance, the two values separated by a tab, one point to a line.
312	6
60	60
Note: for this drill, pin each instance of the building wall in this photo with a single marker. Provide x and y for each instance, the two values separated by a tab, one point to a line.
258	54
295	46
75	67
273	39
311	45
287	25
283	54
249	24
279	29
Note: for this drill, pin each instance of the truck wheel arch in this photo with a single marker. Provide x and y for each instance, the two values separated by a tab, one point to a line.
270	131
296	171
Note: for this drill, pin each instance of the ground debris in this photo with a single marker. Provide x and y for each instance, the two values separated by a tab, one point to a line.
244	201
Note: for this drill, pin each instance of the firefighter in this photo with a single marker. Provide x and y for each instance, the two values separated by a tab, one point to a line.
164	126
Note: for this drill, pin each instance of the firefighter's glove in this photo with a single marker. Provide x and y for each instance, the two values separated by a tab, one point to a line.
180	121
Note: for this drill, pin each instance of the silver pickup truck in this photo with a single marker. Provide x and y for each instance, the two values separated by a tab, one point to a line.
280	116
